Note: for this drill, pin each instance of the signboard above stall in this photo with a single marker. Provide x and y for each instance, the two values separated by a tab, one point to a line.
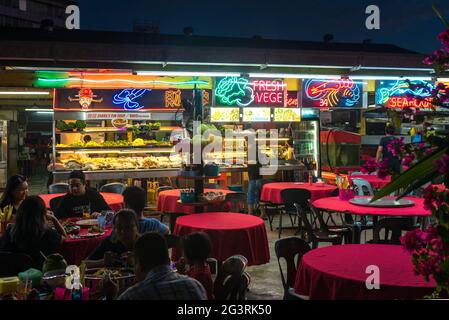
243	92
404	93
128	100
342	93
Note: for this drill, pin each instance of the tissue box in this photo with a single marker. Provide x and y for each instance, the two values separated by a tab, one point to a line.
8	285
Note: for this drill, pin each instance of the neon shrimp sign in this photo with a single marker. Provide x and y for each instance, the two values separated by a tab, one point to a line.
333	93
127	97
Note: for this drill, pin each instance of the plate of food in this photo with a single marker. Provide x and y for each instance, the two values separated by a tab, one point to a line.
70	227
87	222
91	234
382	203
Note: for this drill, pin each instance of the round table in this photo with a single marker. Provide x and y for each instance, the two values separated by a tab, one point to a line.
168	201
230	234
340	273
75	250
334	204
271	192
114	200
374	180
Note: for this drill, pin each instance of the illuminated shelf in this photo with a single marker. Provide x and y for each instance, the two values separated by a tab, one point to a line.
121	150
102	129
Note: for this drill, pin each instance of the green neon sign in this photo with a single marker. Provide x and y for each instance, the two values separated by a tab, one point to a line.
231	91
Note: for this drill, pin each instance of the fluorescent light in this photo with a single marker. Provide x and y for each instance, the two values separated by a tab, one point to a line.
333	77
24	93
389	78
38	110
44	112
188	73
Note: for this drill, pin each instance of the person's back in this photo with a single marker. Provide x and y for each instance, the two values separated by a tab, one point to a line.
393	161
151	225
162	283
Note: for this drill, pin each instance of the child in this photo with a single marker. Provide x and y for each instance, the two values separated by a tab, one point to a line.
197	247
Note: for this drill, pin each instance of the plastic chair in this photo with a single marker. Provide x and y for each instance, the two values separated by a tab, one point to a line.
229	279
291	249
396	226
314	236
13	263
237	202
361	185
54	203
290	197
58	188
243	288
115	187
357	173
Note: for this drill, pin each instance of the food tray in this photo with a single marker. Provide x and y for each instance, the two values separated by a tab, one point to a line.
87	223
382	203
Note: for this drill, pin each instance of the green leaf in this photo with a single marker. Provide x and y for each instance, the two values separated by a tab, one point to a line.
437	11
419	183
419	170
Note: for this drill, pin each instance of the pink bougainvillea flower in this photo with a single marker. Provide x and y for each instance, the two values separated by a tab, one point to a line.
383	169
369	166
443	164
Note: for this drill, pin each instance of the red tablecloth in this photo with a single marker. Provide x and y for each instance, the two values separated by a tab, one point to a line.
272	191
374	180
76	250
335	204
114	200
230	234
339	272
167	201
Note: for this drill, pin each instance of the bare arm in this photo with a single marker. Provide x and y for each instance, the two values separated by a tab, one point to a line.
379	153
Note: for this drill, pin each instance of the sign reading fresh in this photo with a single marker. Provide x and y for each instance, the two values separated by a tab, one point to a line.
404	93
239	91
344	93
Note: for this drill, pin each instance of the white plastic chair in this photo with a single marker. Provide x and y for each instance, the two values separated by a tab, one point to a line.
361	184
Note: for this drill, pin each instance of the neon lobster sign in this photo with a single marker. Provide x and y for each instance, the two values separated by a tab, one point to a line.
331	93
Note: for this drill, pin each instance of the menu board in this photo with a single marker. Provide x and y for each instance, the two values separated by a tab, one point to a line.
256	115
342	93
287	115
225	114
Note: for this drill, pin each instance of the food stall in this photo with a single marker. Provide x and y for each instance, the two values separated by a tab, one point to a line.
120	134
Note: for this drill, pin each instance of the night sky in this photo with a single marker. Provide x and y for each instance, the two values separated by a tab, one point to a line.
409	24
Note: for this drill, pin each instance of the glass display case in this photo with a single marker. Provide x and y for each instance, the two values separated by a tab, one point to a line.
3	153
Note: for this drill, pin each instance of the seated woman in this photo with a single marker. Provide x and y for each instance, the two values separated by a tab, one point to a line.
197	247
31	233
15	192
119	243
80	199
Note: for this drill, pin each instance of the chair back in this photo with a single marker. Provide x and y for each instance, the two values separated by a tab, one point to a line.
316	213
237	202
244	284
291	249
54	203
13	263
228	282
357	173
395	225
290	197
304	217
58	188
363	187
115	187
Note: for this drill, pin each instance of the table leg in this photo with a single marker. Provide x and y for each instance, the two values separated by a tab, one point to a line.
356	232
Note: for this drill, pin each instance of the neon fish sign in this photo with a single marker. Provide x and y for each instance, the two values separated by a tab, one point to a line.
333	93
404	93
127	98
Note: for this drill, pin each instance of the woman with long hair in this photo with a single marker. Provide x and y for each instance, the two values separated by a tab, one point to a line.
15	192
31	233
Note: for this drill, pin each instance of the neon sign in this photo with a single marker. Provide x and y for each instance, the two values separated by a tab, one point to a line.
404	93
126	98
332	93
238	91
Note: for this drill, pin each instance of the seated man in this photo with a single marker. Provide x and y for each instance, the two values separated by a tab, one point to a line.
80	199
119	243
156	280
135	199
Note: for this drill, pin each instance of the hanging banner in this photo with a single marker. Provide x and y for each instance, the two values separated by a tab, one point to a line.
404	93
344	93
86	99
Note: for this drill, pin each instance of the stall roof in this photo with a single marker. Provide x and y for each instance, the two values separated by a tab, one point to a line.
139	51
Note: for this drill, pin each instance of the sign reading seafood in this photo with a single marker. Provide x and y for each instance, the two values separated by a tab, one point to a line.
404	93
242	92
344	93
